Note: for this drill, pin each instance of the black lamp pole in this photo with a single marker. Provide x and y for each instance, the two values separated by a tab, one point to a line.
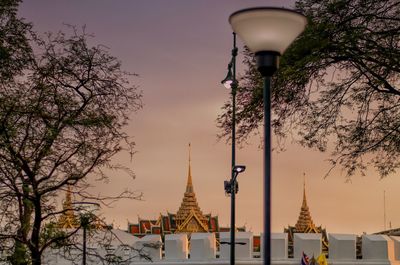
267	64
84	223
233	175
231	186
86	217
267	170
268	32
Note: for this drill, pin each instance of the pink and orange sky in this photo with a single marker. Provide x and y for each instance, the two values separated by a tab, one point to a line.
180	49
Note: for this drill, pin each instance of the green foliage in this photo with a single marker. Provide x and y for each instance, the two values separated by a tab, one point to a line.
20	255
337	87
51	232
15	51
63	109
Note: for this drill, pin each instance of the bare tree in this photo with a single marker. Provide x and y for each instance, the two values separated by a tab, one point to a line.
62	113
338	84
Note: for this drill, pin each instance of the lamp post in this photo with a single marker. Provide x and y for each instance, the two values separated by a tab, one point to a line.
230	82
267	31
86	210
231	187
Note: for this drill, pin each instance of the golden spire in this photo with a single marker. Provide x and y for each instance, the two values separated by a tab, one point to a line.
304	221
304	204
189	203
189	185
68	219
68	199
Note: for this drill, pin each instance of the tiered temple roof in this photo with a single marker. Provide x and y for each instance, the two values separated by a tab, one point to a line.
189	217
305	224
68	218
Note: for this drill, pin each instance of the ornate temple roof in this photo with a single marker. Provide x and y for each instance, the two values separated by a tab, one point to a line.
188	219
68	218
189	216
304	222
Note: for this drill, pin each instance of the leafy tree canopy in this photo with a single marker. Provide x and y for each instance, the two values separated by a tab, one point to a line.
14	46
338	84
64	105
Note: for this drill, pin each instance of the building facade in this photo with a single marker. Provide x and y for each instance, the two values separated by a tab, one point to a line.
188	219
305	224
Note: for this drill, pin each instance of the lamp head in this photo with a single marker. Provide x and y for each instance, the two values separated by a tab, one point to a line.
239	169
268	28
267	31
228	80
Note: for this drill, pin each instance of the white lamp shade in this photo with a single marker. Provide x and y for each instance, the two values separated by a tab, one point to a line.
267	28
228	84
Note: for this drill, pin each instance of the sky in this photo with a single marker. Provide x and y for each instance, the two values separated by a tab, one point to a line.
180	50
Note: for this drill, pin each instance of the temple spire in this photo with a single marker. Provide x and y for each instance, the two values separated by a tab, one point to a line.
68	199
304	221
189	185
304	204
305	224
190	206
68	219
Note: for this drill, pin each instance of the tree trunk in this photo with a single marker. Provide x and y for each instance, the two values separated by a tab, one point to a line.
20	255
36	257
35	237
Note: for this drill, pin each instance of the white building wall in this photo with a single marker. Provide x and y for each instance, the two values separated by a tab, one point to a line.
376	250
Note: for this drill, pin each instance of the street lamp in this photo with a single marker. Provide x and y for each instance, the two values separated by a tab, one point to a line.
86	211
229	79
232	187
267	31
230	82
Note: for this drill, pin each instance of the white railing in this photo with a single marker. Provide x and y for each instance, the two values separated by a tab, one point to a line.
201	249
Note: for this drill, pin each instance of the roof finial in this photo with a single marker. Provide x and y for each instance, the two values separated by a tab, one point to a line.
189	186
304	190
189	152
